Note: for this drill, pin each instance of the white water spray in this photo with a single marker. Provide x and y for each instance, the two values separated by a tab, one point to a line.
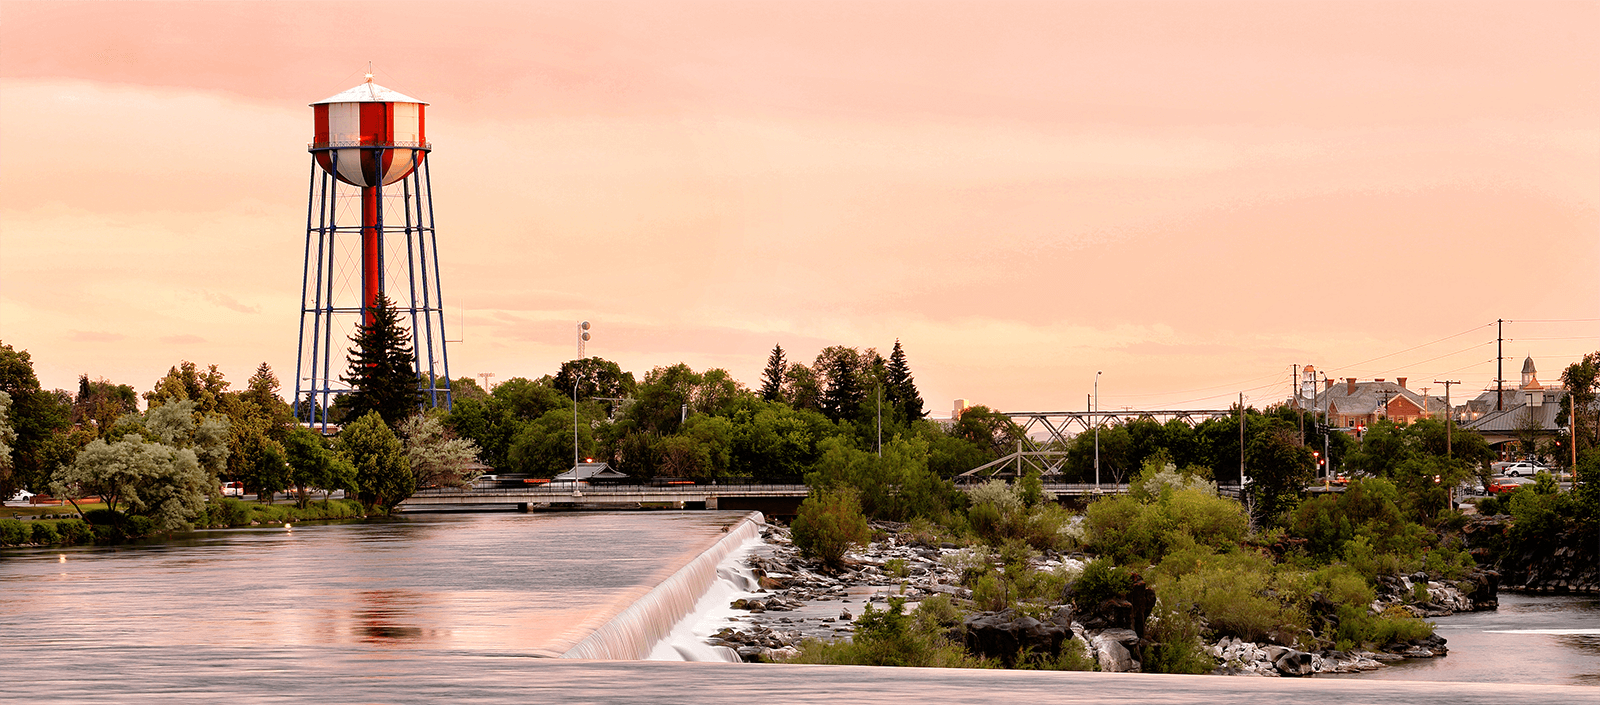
636	631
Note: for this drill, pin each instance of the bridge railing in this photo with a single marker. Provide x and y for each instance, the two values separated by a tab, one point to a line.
566	489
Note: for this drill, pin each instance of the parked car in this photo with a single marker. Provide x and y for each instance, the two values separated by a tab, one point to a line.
1501	485
22	496
233	489
1523	469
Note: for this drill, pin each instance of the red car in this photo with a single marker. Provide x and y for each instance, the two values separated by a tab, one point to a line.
1501	485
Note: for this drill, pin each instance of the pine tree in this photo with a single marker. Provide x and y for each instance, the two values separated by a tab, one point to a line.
382	367
842	396
902	390
772	378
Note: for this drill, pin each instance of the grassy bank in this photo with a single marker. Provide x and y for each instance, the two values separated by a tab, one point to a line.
99	525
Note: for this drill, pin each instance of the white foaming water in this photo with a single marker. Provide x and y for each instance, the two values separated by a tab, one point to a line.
636	632
687	640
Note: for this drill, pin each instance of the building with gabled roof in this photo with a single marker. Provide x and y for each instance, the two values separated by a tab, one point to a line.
1531	407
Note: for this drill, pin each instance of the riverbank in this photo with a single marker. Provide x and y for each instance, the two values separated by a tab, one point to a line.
798	600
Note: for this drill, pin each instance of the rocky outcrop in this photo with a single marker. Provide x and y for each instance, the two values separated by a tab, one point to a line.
1130	611
1004	634
1565	563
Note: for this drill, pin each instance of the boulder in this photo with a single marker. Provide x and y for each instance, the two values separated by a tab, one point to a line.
1292	662
1003	635
1113	656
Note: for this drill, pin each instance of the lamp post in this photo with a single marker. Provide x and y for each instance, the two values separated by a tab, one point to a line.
1094	419
577	374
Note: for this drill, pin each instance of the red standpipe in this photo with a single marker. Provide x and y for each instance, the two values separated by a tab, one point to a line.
371	272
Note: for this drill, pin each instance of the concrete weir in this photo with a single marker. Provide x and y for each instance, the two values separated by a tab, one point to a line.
633	632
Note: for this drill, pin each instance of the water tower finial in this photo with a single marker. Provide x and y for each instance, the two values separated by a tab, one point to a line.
369	72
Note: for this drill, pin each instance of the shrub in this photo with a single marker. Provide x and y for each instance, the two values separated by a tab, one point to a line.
829	523
228	511
45	534
139	526
1101	580
14	533
892	638
1176	647
74	531
895	567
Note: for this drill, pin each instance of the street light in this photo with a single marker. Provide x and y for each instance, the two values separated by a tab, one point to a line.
577	374
1094	420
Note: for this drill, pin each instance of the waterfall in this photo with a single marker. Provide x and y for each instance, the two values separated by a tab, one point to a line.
635	631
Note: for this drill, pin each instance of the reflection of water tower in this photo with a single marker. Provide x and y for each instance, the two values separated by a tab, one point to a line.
369	154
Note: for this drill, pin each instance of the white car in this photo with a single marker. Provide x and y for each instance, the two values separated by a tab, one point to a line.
1523	469
22	496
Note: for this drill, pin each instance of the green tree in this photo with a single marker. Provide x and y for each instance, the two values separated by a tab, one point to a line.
543	446
900	390
37	417
187	382
843	369
1279	467
100	403
828	524
382	367
161	464
801	388
383	474
437	457
312	464
772	378
1582	383
594	377
8	436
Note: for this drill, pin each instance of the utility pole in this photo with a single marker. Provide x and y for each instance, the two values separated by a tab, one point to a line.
1096	431
1386	394
1294	391
1449	413
1499	363
1243	496
577	374
486	376
880	419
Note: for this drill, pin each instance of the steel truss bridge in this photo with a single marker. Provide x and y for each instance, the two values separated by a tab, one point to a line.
1048	453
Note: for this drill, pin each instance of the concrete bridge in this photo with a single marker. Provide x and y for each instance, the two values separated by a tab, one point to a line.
778	500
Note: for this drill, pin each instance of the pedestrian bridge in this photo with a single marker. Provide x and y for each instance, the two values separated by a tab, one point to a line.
772	499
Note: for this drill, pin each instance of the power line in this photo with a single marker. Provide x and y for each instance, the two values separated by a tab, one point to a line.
1448	337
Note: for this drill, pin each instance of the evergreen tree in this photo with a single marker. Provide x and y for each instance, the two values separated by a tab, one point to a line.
772	378
842	396
382	367
901	391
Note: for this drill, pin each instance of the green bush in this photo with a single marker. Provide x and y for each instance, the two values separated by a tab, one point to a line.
892	638
1129	530
1177	645
1240	594
1100	580
74	531
227	511
139	526
45	534
14	533
828	524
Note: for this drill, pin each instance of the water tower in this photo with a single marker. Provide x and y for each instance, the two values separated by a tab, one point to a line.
369	232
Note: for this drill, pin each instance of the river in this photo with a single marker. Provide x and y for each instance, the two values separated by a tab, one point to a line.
469	608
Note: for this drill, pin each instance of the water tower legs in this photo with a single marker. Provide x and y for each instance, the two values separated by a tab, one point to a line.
334	304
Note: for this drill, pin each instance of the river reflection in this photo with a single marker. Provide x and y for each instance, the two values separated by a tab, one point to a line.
460	608
1530	639
500	583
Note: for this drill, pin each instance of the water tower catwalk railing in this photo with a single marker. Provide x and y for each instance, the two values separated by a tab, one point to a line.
332	305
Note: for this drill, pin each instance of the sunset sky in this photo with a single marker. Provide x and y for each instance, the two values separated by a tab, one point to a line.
1190	196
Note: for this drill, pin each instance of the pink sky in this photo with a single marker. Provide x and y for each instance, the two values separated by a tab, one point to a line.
1189	196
